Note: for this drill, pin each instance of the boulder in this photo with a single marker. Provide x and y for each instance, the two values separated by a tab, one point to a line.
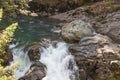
33	50
76	30
36	72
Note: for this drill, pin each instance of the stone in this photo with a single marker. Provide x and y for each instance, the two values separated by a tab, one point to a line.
36	72
88	46
111	51
115	67
33	50
76	30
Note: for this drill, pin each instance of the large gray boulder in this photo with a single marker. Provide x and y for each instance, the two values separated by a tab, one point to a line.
76	30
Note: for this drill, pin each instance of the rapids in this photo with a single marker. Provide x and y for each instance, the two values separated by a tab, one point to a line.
60	64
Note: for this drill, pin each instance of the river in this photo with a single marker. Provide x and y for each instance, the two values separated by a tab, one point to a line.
58	60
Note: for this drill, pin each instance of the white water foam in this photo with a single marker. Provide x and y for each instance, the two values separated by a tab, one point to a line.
19	55
59	62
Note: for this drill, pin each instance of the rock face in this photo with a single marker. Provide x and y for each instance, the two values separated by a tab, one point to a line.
54	5
36	72
110	26
88	46
96	58
111	51
33	51
76	30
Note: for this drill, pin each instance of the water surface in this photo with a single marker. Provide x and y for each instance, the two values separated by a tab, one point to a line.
32	29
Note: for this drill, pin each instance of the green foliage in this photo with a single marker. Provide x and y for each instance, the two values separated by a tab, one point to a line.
11	7
6	73
22	4
112	78
1	12
6	37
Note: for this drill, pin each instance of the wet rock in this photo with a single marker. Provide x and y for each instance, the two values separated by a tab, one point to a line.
76	30
33	51
36	72
47	42
56	29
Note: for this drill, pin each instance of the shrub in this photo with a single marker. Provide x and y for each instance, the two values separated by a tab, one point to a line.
6	36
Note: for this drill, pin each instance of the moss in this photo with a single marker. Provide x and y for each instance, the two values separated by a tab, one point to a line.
112	78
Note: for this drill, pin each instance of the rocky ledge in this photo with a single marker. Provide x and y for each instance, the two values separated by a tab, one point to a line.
96	47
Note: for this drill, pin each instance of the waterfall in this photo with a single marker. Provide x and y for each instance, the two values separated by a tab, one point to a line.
19	55
60	64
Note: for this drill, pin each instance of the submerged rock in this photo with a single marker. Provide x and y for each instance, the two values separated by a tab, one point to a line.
76	30
36	72
34	50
